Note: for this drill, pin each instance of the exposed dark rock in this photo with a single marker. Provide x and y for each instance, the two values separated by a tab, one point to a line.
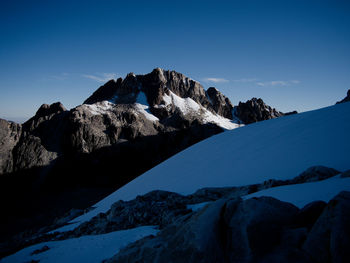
225	231
346	99
40	250
30	153
255	110
220	103
329	238
105	92
194	239
10	133
308	215
155	208
315	173
254	227
255	230
89	131
290	113
46	109
345	174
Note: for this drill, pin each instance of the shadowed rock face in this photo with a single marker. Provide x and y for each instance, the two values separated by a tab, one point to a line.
10	133
346	99
220	103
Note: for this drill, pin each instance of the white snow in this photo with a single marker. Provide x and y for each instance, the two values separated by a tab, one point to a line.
99	107
197	207
302	194
142	106
189	106
225	123
281	148
93	248
185	105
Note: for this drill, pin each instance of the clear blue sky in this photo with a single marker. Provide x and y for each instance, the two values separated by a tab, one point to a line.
293	54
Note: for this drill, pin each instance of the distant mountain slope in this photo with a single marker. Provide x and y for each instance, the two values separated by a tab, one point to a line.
279	149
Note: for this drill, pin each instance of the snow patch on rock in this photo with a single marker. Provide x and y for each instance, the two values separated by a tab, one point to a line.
225	123
142	106
185	105
100	107
189	106
302	194
197	207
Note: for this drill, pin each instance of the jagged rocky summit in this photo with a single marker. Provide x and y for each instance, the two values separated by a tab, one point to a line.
124	128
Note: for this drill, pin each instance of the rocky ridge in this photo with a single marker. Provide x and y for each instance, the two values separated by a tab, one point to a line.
255	110
138	106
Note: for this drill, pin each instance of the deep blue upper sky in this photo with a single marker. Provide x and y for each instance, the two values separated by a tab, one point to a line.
292	54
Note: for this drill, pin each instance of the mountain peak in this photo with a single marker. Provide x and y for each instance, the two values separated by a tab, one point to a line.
156	86
46	109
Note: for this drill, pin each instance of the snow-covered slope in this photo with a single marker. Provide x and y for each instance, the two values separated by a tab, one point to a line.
302	194
91	248
280	148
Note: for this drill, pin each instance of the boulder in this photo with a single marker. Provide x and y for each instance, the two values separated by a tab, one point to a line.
308	215
329	238
254	227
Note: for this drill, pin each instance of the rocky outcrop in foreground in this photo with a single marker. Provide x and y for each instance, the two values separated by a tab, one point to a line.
255	230
167	210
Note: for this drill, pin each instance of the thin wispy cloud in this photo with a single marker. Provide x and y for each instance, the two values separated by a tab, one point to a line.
216	80
101	77
245	80
280	83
